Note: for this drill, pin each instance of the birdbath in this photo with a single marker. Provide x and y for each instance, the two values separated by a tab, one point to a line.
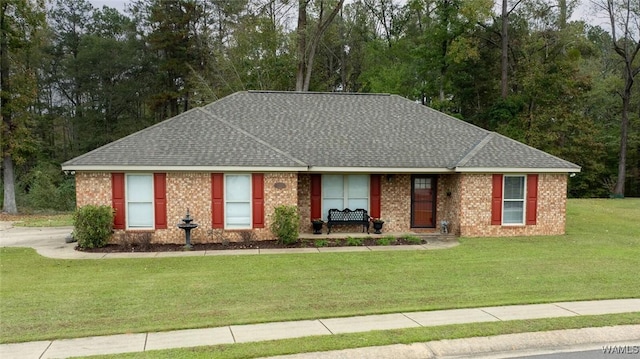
187	226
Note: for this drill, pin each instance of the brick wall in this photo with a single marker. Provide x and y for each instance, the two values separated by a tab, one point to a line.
475	210
190	190
395	203
304	202
279	189
93	188
448	202
467	208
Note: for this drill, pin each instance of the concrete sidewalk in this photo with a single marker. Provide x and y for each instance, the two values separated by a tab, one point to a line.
125	343
499	346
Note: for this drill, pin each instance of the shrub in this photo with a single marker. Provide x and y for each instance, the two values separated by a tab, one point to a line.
412	239
44	187
285	225
247	237
350	241
93	226
321	243
385	241
140	240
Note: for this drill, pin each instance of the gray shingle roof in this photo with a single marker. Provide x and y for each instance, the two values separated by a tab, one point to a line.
296	131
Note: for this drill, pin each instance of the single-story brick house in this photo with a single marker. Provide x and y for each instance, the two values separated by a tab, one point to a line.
233	161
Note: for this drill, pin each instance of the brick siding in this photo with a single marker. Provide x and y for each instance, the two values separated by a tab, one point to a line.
448	202
395	203
93	188
464	200
475	208
304	202
190	190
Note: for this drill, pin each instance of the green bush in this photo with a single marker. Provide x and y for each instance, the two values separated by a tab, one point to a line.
350	241
45	187
93	226
285	225
412	239
321	243
385	241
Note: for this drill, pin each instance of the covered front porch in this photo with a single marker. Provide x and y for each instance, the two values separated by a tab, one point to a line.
406	202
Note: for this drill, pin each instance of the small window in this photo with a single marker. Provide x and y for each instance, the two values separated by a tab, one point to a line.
344	191
139	197
237	201
513	200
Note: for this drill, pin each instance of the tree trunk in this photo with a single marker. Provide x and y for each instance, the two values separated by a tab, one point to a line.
9	204
302	44
628	54
562	17
618	191
505	48
306	56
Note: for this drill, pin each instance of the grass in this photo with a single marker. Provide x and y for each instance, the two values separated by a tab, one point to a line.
44	298
40	220
378	338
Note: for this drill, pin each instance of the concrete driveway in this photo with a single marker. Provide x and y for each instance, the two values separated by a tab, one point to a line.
47	241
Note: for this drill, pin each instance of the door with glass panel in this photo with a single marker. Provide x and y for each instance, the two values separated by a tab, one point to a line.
423	201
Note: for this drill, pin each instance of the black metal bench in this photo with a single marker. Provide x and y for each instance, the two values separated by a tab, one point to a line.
347	216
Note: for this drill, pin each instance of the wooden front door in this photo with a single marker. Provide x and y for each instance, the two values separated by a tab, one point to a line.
423	201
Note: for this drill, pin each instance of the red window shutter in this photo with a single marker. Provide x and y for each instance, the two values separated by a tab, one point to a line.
217	203
117	200
258	200
496	200
532	198
374	196
160	199
316	196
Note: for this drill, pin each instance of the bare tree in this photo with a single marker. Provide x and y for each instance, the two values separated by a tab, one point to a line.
624	17
504	67
306	52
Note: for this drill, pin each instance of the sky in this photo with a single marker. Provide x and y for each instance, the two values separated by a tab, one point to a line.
584	11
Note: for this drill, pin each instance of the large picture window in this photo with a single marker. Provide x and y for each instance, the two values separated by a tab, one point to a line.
514	200
237	201
344	191
139	196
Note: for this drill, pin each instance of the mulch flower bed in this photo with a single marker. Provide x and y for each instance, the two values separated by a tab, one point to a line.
303	243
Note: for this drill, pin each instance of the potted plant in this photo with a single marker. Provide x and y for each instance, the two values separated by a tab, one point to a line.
377	225
317	225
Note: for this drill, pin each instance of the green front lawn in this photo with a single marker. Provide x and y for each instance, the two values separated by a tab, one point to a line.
44	298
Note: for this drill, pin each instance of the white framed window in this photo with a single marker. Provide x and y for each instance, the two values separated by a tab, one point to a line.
344	191
513	202
237	201
139	197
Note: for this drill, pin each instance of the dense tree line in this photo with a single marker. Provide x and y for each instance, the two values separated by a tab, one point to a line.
75	77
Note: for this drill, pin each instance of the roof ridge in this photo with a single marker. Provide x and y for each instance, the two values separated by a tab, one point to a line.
480	145
206	111
318	93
